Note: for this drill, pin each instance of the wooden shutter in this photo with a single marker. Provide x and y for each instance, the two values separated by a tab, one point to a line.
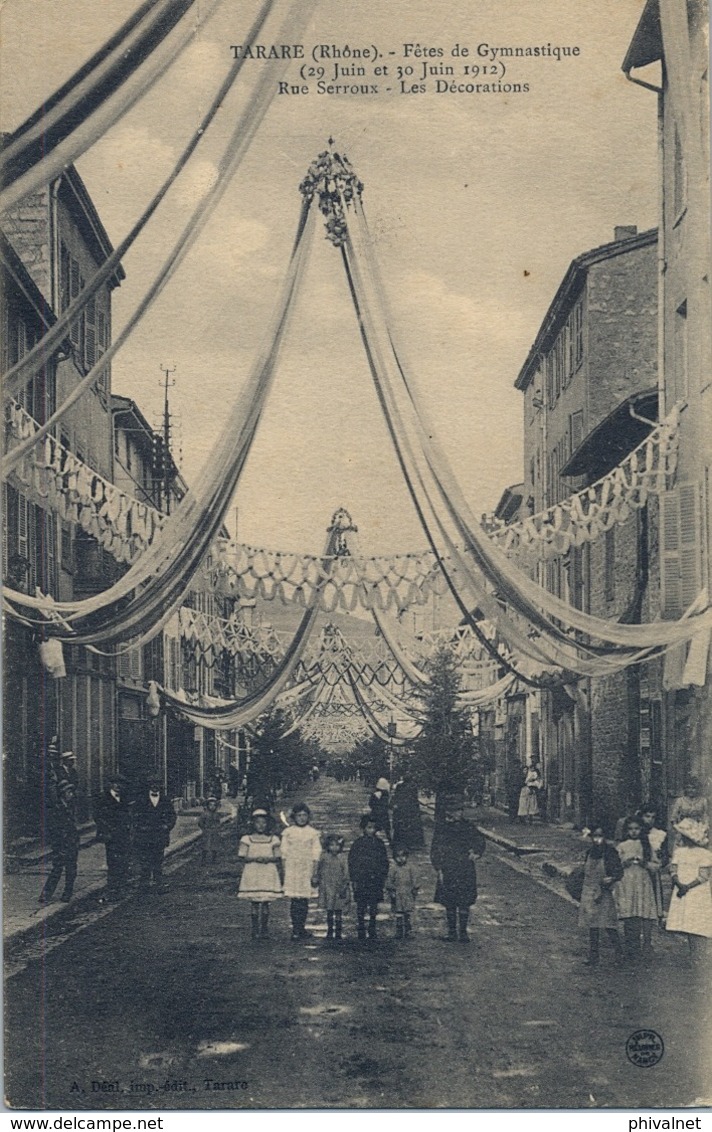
74	330
690	568
680	560
670	590
90	351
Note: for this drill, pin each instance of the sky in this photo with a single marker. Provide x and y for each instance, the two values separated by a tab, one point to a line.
477	204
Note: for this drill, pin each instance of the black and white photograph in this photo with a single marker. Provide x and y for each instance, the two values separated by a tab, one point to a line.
357	553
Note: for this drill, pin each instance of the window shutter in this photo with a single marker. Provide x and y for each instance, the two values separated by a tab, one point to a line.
74	288
22	542
670	589
51	528
90	351
5	529
690	572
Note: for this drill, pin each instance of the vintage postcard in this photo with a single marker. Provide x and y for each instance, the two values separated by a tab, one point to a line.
356	555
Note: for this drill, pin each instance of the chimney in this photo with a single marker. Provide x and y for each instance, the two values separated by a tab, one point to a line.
625	231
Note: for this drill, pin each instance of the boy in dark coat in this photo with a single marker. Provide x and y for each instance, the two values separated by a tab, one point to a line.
455	847
154	818
64	839
368	869
113	827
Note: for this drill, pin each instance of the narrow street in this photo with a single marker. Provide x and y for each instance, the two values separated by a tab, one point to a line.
165	1003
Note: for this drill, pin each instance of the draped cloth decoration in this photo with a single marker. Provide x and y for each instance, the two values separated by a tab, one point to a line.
98	95
586	515
247	124
237	713
447	518
37	356
155	585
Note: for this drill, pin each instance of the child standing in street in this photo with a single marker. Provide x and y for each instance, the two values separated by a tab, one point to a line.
658	841
368	869
691	870
402	888
332	877
456	845
301	850
261	881
602	869
634	894
209	824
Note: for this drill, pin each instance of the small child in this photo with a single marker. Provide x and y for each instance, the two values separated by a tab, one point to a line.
368	869
332	878
261	881
634	893
602	868
209	823
659	856
691	870
402	888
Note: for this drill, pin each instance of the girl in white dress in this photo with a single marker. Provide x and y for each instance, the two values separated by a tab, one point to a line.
301	850
691	870
634	894
261	881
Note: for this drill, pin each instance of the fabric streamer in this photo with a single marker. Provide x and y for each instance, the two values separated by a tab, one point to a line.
101	92
238	144
421	457
236	713
37	356
157	583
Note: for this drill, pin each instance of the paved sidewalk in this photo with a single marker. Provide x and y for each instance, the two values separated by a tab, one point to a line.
23	916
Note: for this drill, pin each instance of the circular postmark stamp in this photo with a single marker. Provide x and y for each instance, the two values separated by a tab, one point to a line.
645	1048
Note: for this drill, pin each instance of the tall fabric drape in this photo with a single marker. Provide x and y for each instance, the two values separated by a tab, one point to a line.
238	144
37	356
98	95
155	586
432	484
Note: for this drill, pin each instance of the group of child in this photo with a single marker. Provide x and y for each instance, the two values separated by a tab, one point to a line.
623	883
298	865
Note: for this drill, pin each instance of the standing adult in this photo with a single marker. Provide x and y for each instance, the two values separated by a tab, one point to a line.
407	823
529	795
456	845
378	805
68	770
154	819
691	803
64	839
113	827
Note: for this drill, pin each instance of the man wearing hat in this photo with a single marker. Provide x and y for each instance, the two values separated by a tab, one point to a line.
456	845
68	769
63	836
113	826
154	818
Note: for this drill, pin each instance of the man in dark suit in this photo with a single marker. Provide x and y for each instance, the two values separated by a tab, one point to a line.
154	818
63	836
113	827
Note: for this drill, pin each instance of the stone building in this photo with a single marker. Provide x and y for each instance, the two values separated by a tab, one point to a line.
589	386
669	58
53	241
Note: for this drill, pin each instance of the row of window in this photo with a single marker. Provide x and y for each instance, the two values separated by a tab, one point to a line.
566	355
556	459
39	395
90	333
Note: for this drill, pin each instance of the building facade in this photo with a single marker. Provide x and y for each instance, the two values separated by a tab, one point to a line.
589	386
53	241
669	58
